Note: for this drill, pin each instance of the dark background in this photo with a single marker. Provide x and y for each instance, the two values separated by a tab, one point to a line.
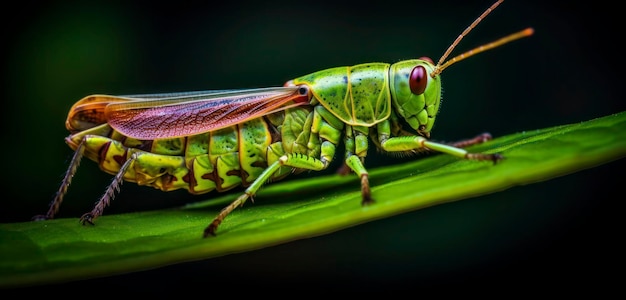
560	233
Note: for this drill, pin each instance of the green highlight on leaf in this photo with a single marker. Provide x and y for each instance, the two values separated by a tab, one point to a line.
61	250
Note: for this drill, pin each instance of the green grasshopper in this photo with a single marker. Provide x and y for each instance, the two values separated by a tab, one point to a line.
219	140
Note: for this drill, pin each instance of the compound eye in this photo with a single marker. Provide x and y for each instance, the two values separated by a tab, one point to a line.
418	80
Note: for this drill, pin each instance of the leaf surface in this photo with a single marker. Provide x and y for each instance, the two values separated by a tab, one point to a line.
34	253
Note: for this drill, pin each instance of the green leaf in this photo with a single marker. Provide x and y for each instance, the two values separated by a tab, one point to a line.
35	253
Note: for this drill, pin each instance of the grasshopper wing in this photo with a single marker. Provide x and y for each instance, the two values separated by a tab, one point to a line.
160	116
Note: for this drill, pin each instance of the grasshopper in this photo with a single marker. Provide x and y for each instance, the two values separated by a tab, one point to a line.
218	140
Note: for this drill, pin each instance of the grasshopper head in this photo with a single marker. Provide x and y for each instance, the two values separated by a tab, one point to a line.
416	93
416	84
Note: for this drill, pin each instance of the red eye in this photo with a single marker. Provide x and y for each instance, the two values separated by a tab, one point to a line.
418	80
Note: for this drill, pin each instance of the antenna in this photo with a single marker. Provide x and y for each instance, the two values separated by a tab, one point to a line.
518	35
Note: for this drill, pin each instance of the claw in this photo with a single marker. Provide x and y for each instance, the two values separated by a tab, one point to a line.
210	230
367	200
87	218
496	158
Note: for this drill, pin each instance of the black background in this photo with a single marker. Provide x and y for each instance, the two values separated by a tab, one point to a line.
563	233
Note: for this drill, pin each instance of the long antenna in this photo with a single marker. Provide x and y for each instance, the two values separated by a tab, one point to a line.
441	65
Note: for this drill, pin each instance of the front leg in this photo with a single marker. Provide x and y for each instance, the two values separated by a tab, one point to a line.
420	143
407	143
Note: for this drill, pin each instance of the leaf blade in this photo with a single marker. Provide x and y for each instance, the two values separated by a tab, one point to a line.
62	250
